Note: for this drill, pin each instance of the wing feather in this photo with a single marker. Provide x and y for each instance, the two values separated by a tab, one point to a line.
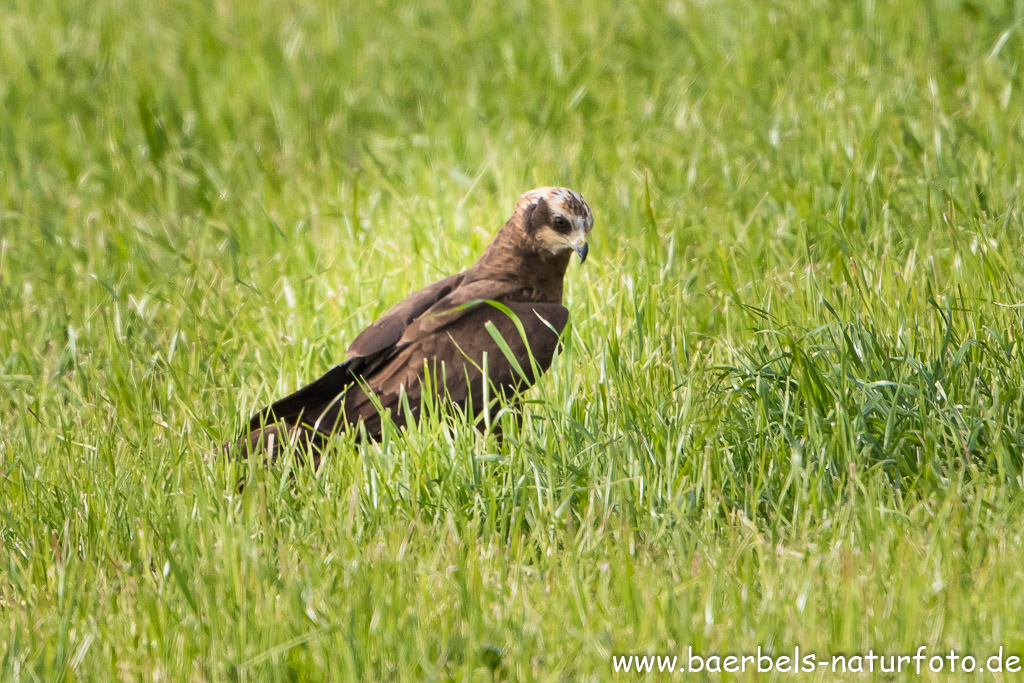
443	330
388	329
455	352
312	403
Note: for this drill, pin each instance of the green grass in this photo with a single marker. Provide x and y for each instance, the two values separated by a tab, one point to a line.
791	406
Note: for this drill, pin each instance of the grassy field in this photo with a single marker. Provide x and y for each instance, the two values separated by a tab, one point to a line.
790	411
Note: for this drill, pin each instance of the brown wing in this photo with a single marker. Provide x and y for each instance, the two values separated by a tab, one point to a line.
311	401
459	350
390	327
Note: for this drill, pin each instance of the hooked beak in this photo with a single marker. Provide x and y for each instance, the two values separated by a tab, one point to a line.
581	250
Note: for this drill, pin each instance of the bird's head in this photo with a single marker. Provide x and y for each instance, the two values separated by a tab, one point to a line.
556	219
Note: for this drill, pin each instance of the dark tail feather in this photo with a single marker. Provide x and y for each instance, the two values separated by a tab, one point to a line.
289	420
310	402
275	440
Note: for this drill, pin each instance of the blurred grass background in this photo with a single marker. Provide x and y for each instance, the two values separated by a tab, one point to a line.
790	407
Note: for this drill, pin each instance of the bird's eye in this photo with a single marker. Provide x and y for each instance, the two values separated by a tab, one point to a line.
561	225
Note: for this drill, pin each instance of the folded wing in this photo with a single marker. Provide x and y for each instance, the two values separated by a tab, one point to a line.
445	336
372	345
470	357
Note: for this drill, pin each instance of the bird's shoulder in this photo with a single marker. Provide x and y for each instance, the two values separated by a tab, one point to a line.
388	329
478	303
442	304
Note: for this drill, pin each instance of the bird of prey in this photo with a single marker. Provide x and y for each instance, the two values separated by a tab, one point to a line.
481	336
